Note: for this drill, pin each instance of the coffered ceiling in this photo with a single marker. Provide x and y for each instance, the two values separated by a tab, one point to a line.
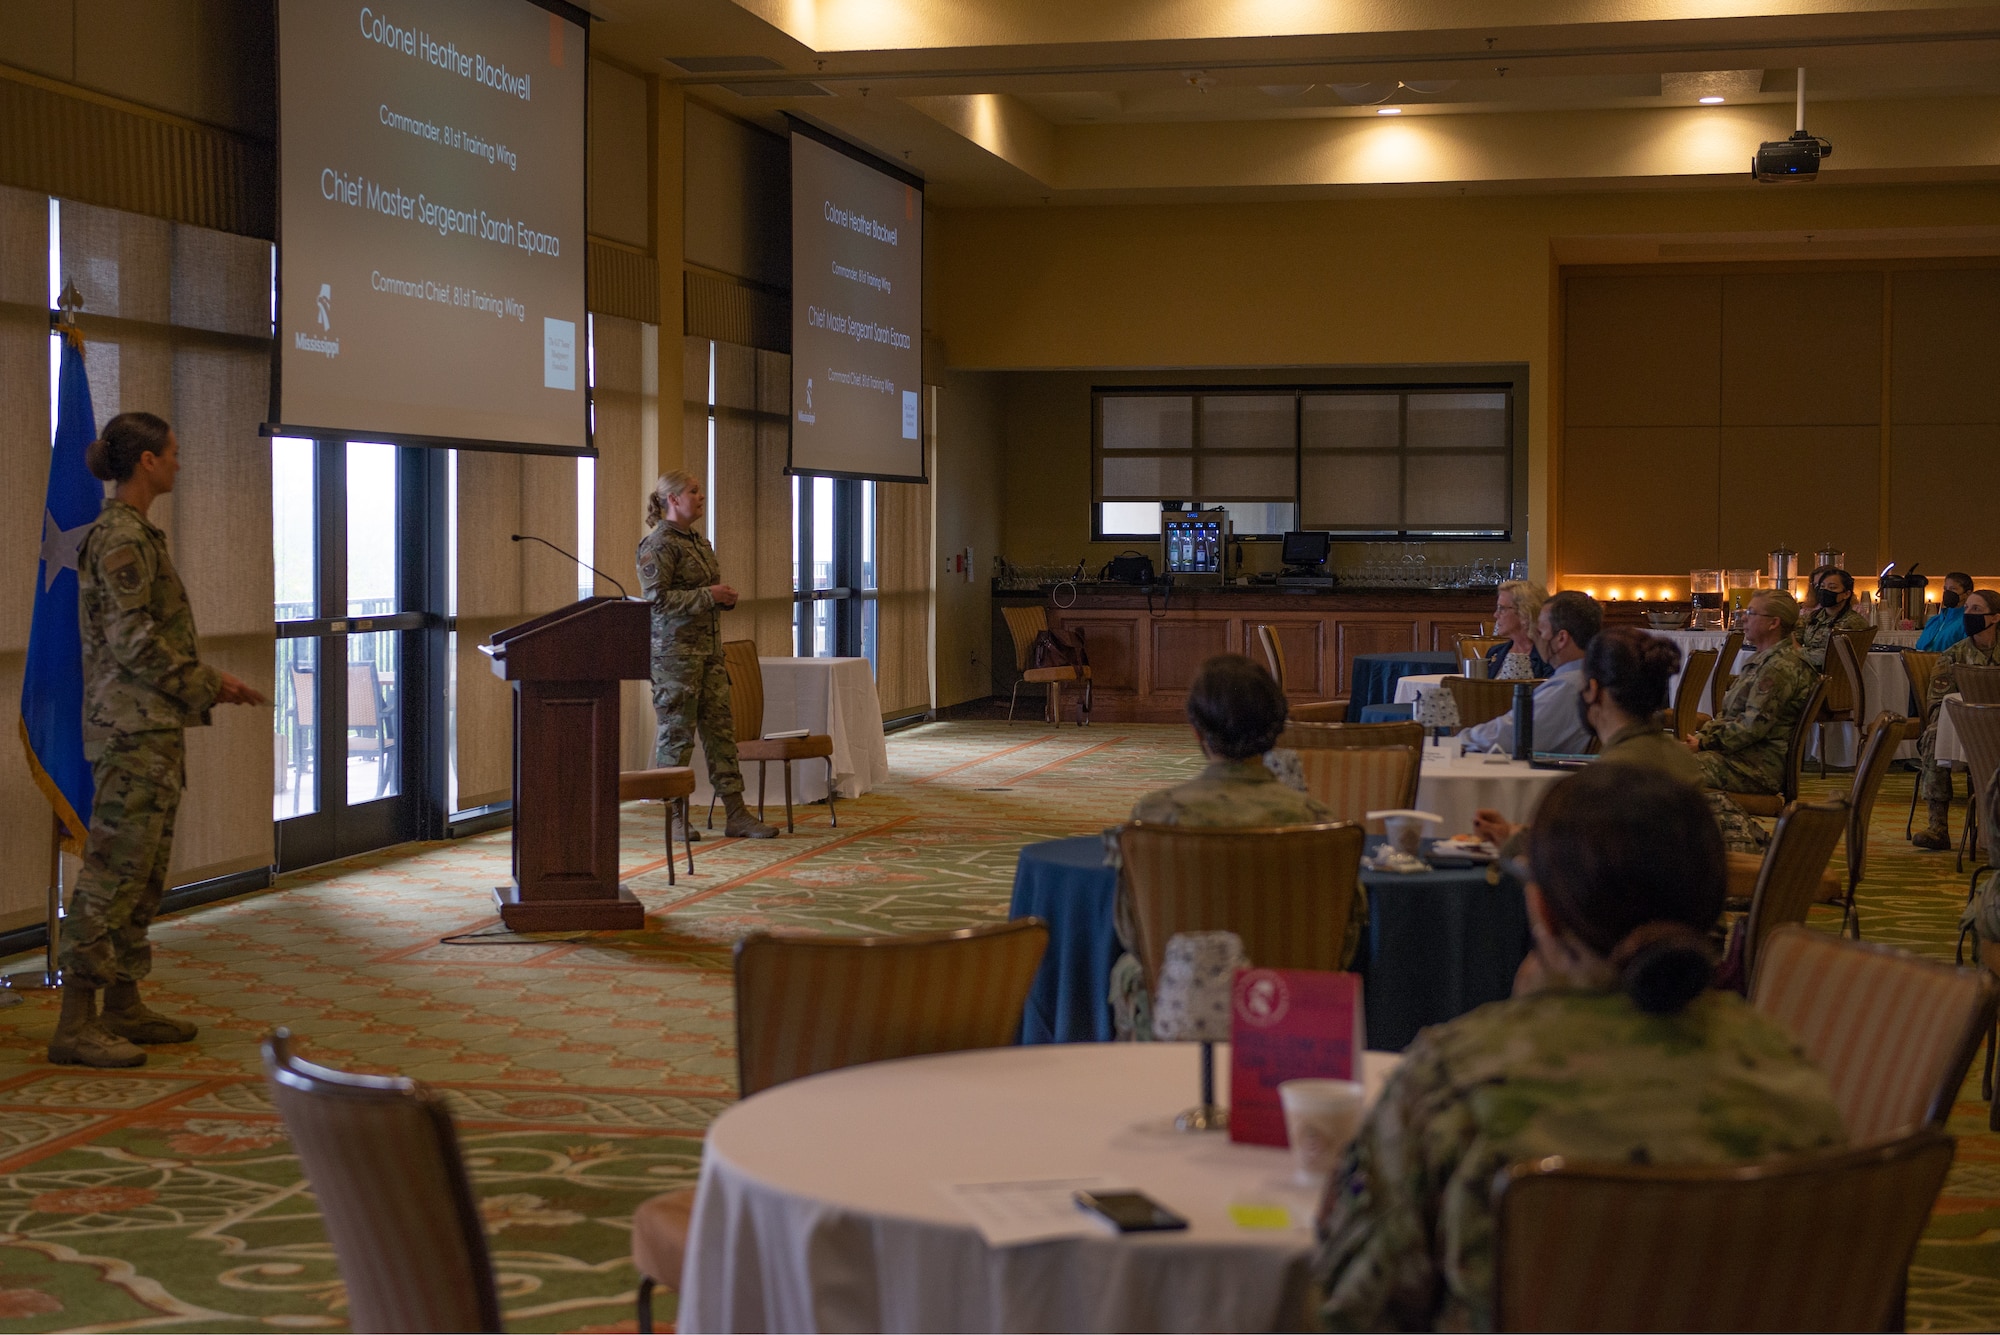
1026	101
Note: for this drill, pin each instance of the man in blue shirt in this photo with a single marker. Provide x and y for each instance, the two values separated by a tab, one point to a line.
1567	624
1948	626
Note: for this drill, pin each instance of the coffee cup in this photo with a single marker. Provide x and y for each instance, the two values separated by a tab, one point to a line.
1321	1120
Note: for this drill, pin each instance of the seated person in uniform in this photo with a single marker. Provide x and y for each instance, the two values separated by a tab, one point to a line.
1617	1052
1564	629
1947	627
1517	611
1833	595
1743	748
1626	673
1237	711
1979	648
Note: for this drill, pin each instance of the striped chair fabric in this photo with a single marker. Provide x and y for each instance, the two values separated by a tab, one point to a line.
1878	752
1789	880
1698	667
806	1004
1274	655
1979	734
1287	891
383	1163
1351	782
1806	1242
1894	1033
1978	685
1479	701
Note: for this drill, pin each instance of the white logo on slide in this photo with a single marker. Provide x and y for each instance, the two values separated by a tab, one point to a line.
806	414
809	393
325	297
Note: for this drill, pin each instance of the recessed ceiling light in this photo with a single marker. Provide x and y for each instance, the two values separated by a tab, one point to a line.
1388	111
1710	101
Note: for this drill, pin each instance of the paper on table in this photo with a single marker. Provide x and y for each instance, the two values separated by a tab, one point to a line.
1008	1214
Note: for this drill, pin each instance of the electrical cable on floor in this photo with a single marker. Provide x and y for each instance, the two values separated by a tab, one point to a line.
504	937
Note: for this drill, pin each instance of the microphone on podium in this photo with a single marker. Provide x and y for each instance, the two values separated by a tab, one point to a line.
529	537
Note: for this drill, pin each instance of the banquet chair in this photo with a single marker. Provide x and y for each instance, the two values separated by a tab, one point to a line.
305	718
371	727
1473	649
1695	672
746	706
1725	670
1871	766
382	1159
1355	768
1789	878
672	785
1478	699
1846	693
1024	624
1978	685
1770	804
1918	669
1819	1241
1274	661
1893	1032
810	1003
1978	728
1286	890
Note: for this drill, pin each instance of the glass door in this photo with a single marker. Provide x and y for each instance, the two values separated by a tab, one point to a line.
360	642
834	595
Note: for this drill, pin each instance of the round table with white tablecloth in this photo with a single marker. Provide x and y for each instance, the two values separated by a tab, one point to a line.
825	1203
1455	786
833	697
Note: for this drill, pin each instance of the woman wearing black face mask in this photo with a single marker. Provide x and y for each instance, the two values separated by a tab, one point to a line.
1834	592
1979	648
1948	626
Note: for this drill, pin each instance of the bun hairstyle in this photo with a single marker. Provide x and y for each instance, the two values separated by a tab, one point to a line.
670	485
1633	667
1629	862
1236	706
114	456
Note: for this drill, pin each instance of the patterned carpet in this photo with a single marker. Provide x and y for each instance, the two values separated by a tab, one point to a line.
583	1071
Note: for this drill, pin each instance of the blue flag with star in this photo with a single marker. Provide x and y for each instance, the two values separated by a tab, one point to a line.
52	688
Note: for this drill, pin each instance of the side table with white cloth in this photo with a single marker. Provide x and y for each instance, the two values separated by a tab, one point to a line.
832	1204
833	697
1454	786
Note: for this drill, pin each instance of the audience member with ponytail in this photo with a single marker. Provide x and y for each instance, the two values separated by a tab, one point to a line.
143	684
1619	1052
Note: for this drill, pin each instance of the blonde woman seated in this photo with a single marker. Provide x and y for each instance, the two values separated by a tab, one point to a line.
1237	712
1617	1051
1516	609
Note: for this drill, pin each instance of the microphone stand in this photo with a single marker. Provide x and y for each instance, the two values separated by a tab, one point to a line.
529	537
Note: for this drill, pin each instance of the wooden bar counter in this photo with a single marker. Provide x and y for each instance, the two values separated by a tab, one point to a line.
1144	657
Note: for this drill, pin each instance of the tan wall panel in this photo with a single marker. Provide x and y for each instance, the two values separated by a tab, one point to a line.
222	502
1801	348
24	426
548	510
620	185
738	198
621	484
1932	518
732	492
1801	486
485	740
40	35
225	817
1634	348
1945	346
489	509
772	592
968	478
1640	500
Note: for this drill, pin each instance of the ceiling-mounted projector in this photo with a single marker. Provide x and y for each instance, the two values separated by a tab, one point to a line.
1794	159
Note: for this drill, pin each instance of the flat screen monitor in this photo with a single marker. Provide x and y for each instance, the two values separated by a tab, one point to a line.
1307	548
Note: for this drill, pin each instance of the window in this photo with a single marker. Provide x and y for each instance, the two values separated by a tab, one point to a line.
1416	461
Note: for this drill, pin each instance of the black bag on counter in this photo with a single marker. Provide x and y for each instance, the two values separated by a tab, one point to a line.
1128	567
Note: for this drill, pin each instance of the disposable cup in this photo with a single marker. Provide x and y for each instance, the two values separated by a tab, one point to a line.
1321	1120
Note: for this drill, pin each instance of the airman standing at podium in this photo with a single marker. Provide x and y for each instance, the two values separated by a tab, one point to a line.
680	577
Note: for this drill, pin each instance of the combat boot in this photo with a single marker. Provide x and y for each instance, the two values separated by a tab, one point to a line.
683	829
1937	835
133	1020
80	1040
741	824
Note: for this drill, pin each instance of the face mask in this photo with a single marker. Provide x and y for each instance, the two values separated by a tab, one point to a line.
1975	622
1829	597
1951	597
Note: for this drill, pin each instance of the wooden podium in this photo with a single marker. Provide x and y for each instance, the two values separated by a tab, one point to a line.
566	666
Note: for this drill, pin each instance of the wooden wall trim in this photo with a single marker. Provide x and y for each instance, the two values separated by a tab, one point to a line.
621	281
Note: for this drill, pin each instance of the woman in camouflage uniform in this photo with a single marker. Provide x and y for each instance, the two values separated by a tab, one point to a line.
1833	612
680	576
1979	648
143	683
1618	1052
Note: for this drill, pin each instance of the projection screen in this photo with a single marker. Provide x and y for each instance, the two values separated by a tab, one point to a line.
431	223
857	313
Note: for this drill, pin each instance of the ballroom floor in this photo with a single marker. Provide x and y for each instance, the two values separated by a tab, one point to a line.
584	1071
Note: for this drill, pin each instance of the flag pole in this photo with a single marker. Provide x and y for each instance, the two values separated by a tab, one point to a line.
37	980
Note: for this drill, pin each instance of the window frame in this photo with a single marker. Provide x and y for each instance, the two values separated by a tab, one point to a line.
1195	454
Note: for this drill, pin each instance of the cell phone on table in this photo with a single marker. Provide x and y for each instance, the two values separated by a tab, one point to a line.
1130	1211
